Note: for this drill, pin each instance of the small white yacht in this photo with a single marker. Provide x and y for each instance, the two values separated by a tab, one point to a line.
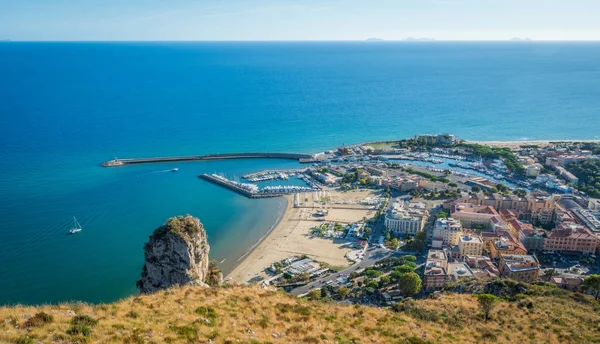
77	227
174	169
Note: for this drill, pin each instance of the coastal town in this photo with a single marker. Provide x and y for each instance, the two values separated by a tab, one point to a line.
377	223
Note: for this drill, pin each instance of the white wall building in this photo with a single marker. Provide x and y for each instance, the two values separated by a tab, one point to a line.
406	218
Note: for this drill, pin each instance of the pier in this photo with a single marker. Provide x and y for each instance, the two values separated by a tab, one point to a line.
232	186
303	158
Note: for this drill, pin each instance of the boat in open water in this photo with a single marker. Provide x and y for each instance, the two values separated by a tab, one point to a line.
76	228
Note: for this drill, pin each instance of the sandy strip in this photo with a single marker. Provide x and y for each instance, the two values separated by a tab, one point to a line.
517	144
291	237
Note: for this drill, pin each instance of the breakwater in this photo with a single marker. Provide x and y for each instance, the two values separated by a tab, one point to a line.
237	187
303	158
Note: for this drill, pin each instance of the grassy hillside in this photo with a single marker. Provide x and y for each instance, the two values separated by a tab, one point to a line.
253	315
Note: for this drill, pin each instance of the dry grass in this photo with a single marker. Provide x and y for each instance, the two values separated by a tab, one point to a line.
254	315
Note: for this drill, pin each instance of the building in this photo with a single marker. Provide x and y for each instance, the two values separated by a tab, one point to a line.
570	282
530	208
406	219
436	270
522	268
503	242
459	270
472	216
446	232
482	266
532	171
568	176
376	171
589	218
570	237
532	239
401	184
470	245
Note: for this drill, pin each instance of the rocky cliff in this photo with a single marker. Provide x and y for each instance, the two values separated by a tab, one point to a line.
176	254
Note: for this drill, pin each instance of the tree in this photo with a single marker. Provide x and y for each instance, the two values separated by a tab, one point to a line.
486	302
475	188
373	284
453	184
384	280
409	258
592	284
404	268
442	215
395	244
372	273
314	294
550	273
395	275
409	283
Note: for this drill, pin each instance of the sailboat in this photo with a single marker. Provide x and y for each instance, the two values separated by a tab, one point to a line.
77	227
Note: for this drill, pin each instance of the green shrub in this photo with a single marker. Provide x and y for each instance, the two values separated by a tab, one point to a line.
39	320
84	320
79	329
207	312
186	332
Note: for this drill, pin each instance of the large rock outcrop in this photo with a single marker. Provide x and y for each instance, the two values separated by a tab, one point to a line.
176	254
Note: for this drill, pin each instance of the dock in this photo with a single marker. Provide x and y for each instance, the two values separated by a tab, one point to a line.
302	158
231	186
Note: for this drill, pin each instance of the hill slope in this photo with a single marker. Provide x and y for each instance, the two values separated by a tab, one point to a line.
255	315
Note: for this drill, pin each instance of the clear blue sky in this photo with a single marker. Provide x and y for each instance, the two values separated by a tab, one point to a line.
298	20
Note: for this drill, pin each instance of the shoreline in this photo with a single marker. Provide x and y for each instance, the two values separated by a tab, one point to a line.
275	228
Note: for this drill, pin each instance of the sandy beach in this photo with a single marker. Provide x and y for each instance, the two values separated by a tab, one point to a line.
517	144
291	237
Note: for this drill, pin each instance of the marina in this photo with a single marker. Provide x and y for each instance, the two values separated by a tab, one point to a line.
252	190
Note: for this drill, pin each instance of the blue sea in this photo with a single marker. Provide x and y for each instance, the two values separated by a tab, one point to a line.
66	107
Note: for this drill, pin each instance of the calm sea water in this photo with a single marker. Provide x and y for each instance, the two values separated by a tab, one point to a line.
66	107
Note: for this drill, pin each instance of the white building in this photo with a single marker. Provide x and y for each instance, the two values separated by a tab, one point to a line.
532	170
406	218
447	232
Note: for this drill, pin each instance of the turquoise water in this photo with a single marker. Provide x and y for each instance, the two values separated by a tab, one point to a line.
66	107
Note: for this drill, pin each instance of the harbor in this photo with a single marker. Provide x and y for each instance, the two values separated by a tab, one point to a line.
252	190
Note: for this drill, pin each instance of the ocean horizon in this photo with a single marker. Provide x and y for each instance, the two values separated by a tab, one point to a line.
67	107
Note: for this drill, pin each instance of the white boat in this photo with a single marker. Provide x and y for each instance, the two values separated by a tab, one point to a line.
77	227
174	169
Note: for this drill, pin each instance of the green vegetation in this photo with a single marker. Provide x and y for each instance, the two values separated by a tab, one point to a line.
429	176
588	172
409	283
38	320
372	273
486	303
180	225
592	284
509	158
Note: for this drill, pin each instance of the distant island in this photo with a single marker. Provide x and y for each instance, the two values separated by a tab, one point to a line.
375	39
519	39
